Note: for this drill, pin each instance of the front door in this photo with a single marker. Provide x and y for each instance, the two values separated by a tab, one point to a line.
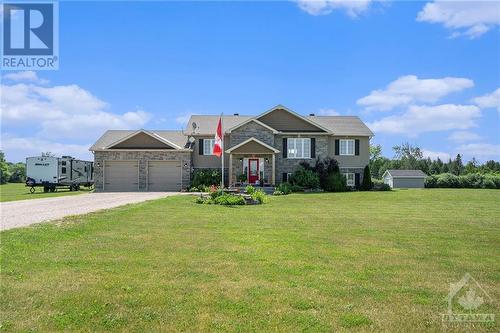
253	170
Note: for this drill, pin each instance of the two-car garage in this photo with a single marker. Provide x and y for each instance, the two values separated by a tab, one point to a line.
124	175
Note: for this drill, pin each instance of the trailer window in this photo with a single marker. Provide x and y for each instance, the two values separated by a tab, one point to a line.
85	169
63	170
63	163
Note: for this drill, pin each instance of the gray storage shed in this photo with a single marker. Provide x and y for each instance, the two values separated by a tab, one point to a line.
404	178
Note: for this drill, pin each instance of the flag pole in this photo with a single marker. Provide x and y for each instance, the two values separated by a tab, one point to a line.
222	144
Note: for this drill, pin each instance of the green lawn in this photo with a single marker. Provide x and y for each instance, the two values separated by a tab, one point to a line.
378	261
19	191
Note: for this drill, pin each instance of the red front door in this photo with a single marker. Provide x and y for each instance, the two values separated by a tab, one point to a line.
253	170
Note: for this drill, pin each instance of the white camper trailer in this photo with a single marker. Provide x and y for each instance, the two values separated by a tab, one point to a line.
53	172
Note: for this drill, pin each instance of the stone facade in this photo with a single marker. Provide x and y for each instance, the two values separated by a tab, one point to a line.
249	130
143	157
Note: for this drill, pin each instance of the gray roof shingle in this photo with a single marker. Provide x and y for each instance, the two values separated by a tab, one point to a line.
407	173
339	125
342	125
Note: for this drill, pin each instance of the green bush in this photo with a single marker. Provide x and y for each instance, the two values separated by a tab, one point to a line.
296	188
382	187
471	180
431	181
305	178
229	200
242	178
448	180
336	182
285	188
259	196
206	177
249	189
216	194
277	192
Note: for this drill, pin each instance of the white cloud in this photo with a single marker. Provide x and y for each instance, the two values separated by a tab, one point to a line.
464	18
58	114
18	148
353	8
433	155
328	112
489	100
63	111
464	136
421	119
482	151
410	89
27	76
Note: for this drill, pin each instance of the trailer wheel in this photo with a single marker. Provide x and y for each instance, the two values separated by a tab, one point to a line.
77	187
53	189
46	189
32	190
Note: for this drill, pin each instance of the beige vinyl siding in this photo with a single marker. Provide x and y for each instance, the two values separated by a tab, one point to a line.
282	120
142	141
355	161
208	161
252	147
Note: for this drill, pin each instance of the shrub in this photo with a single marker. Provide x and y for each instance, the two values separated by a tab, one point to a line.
430	181
448	180
206	177
285	188
324	168
242	178
382	187
229	200
488	182
250	189
296	188
336	182
215	194
367	180
305	178
259	196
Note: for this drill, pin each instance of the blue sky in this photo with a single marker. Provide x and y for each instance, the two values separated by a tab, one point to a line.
410	70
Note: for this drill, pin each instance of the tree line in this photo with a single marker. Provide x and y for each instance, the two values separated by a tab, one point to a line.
407	156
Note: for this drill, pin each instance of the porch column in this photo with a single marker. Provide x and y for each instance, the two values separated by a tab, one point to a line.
230	180
274	170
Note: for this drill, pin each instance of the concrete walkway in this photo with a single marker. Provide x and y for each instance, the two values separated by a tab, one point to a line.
15	214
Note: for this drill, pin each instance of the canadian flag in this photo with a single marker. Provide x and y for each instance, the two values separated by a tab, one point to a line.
218	140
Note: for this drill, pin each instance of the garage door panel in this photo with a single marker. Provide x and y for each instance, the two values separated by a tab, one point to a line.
121	176
164	176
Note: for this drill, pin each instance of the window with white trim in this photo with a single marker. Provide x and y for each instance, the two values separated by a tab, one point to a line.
346	147
208	146
299	147
349	179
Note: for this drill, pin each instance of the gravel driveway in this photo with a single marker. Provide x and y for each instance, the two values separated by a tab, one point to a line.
15	214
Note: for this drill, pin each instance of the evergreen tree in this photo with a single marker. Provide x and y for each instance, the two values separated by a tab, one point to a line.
367	184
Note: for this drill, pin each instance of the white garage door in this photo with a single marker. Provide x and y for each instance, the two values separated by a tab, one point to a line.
121	176
164	176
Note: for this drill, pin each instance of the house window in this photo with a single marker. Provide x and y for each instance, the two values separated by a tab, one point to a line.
350	179
208	146
299	147
346	147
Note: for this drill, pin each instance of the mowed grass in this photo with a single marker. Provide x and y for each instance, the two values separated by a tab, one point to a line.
19	191
379	261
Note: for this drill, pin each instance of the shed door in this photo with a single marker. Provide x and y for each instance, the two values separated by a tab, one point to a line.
164	176
121	176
